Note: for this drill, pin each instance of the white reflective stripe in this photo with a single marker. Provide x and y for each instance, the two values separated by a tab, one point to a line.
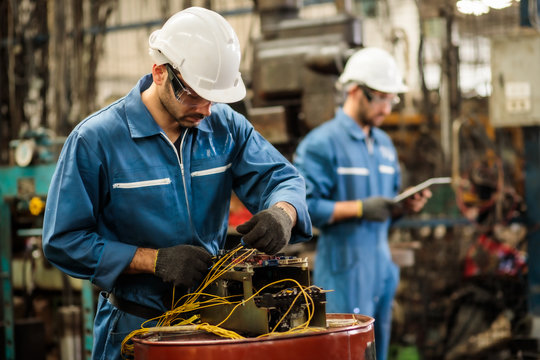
212	171
352	171
385	169
138	184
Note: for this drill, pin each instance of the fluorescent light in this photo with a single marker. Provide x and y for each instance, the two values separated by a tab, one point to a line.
474	7
498	4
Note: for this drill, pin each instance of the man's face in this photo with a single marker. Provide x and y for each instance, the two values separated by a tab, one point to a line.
182	102
376	106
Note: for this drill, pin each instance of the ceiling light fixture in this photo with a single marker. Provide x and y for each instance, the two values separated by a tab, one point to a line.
472	7
497	4
480	7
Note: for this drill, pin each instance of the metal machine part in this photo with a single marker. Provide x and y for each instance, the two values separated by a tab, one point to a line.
24	271
274	292
308	54
38	146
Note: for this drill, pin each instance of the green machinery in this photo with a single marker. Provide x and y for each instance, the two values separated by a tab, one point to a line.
23	190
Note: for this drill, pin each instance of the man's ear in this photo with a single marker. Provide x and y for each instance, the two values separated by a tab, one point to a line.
356	91
159	74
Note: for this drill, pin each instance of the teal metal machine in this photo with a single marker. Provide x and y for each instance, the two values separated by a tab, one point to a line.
23	192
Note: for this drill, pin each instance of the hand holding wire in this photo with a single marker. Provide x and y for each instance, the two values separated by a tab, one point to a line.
184	265
267	231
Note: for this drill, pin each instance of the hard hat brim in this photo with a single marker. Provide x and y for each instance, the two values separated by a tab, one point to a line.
395	89
230	95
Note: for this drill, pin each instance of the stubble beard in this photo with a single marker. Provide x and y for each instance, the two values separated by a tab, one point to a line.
372	119
182	120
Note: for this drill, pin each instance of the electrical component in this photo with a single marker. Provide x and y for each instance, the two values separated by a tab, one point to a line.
274	291
249	292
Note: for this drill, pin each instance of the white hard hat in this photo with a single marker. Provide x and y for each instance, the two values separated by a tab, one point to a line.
374	68
204	48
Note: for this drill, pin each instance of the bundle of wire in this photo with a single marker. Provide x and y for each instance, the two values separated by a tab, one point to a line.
174	321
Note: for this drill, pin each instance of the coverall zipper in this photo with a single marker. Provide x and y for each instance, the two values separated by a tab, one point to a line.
181	164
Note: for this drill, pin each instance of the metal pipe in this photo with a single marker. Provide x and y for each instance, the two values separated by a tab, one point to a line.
456	128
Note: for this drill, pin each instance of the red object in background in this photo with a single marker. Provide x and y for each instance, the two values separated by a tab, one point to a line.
238	213
488	256
239	217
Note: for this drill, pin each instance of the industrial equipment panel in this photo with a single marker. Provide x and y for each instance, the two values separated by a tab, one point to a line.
515	77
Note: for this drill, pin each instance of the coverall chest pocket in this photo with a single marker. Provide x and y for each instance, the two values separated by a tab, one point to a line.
211	182
140	197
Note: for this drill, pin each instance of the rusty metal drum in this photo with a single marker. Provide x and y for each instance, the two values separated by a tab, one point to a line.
346	337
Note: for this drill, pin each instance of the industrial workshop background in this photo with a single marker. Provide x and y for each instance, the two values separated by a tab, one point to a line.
470	282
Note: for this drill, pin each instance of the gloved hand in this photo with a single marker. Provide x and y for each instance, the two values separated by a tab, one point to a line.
376	208
267	231
184	265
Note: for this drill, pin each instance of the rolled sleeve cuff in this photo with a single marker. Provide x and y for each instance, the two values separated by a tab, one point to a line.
302	231
321	211
111	264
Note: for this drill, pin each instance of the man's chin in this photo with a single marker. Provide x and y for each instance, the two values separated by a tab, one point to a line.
378	121
189	121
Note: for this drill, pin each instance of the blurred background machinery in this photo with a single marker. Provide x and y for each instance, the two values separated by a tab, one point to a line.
43	309
295	66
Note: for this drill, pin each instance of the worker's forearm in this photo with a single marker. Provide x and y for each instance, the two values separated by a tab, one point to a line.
289	209
143	261
344	210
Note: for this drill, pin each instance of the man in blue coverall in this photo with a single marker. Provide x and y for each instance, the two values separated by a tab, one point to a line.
352	173
140	198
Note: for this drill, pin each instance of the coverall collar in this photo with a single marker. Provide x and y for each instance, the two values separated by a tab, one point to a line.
351	127
140	121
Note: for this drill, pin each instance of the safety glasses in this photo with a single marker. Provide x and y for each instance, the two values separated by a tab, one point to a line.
182	93
375	97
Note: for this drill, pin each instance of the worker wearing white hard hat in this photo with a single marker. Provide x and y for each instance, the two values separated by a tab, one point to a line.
140	198
352	174
376	69
202	46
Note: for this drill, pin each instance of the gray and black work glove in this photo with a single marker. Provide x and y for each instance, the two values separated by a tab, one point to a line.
184	265
267	231
376	208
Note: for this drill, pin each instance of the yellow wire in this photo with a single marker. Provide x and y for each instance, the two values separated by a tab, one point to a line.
168	317
188	303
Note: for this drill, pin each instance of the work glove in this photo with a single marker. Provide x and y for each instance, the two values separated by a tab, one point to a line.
267	231
184	265
376	208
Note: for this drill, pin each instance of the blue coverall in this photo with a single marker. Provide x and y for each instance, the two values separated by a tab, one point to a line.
120	184
353	257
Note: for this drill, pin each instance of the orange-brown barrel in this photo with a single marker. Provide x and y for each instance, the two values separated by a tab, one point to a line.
344	340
